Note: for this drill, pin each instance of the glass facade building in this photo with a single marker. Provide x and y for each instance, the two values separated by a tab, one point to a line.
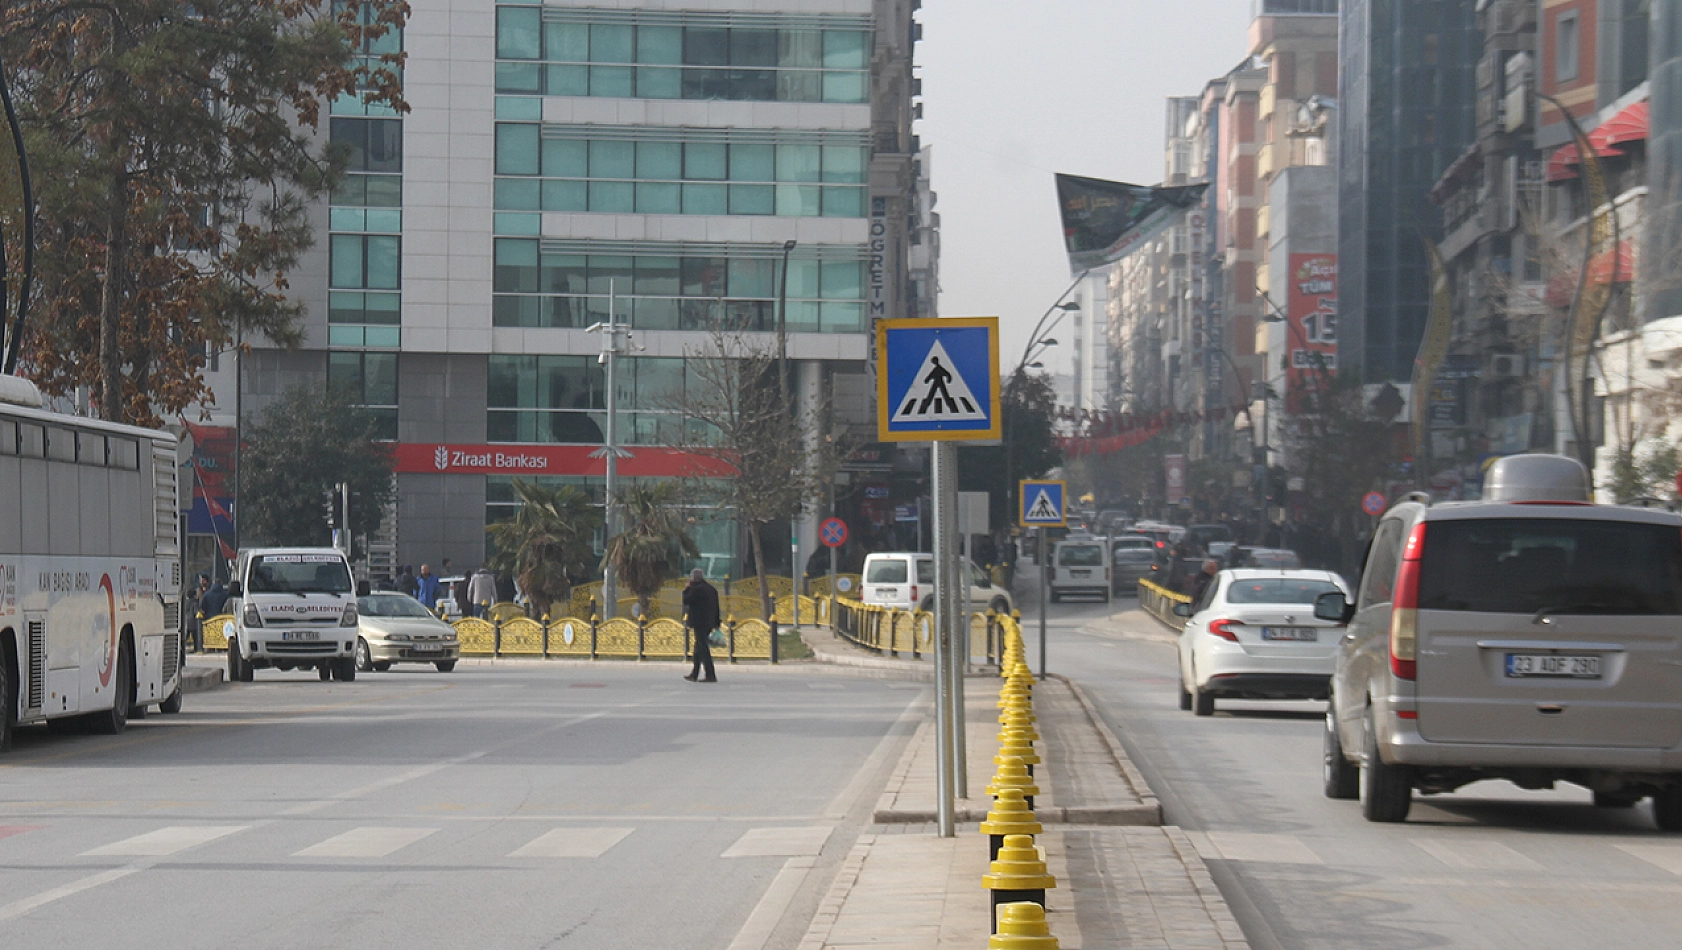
1406	112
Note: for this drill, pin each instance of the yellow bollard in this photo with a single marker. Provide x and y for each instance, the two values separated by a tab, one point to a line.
1012	719
1022	926
1013	773
1017	874
1010	815
1013	743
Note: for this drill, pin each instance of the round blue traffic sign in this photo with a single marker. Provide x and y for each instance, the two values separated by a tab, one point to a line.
1373	503
833	532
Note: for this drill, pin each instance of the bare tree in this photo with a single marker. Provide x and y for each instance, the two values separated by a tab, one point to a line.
782	459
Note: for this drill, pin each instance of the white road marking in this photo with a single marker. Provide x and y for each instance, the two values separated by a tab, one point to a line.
1476	855
1665	856
572	843
1274	849
780	842
164	841
756	931
20	907
365	843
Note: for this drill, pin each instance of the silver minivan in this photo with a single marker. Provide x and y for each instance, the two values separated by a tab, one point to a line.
1531	636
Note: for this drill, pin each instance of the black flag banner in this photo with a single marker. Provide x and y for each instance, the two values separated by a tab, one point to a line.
1104	221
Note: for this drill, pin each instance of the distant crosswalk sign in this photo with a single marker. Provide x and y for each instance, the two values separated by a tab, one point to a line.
1042	504
938	379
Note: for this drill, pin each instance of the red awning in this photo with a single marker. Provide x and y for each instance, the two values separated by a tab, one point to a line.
1600	266
1629	125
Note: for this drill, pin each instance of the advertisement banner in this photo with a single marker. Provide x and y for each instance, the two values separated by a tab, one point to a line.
1311	327
1174	474
1104	221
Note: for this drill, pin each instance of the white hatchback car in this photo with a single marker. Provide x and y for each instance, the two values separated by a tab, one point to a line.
1253	635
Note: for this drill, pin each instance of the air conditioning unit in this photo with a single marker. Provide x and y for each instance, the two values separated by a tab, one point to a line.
1504	366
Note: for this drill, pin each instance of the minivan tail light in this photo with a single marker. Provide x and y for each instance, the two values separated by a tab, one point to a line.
1222	629
913	595
1404	609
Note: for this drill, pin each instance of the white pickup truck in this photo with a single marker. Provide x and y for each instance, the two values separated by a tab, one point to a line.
293	608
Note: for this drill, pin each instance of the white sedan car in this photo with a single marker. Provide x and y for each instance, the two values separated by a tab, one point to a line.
395	628
1253	635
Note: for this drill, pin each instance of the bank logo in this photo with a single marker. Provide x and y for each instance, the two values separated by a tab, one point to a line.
441	457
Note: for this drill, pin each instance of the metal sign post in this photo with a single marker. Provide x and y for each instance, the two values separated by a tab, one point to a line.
938	381
1042	507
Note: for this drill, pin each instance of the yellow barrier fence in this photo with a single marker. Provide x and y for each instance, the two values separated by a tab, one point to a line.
661	638
910	633
1159	601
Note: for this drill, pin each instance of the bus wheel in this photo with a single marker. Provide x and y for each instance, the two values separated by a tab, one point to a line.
8	704
325	671
111	721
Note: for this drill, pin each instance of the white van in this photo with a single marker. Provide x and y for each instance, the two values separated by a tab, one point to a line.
906	580
293	608
1080	566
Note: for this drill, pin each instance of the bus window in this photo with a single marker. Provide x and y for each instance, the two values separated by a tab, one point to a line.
124	453
32	440
8	437
90	448
61	445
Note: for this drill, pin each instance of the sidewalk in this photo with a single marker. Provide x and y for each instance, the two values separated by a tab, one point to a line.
1124	881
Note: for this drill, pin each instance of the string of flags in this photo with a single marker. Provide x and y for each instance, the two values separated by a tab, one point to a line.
1101	433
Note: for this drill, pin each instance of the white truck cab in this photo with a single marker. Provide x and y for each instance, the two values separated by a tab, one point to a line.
293	608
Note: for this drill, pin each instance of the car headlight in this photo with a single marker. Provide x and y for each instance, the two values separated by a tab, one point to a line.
251	617
399	636
349	619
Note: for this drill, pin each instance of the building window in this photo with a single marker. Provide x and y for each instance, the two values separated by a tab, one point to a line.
563	399
371	379
365	261
1566	46
534	288
542	55
810	178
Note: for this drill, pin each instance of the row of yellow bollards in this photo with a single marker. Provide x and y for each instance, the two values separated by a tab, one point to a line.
1017	879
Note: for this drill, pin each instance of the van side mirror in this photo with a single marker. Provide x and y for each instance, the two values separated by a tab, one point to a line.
235	589
1333	606
362	588
1182	610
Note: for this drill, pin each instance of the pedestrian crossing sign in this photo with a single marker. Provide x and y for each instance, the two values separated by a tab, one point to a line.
1042	504
937	379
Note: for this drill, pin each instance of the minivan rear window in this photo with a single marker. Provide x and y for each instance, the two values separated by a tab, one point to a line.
1080	555
887	572
1525	565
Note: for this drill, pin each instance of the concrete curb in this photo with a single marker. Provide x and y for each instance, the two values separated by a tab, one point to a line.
1220	914
1147	815
202	679
1118	753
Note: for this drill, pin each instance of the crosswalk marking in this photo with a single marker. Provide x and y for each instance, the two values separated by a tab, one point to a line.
572	843
780	842
1477	855
365	843
164	841
1667	856
1277	849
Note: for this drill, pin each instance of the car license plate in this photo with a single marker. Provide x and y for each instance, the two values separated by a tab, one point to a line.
1553	664
428	647
300	635
1306	634
1074	573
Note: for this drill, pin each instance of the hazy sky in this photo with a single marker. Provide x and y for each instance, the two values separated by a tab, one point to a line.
1015	90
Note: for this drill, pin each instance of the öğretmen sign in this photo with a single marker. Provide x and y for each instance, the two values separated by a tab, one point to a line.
412	458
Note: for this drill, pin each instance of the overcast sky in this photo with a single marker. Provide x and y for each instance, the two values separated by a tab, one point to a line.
1014	91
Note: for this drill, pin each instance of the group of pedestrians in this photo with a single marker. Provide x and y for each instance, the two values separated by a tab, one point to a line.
473	594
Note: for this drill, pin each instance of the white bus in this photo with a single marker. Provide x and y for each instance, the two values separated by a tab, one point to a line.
90	576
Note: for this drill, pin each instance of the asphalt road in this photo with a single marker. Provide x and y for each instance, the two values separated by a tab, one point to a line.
521	805
1491	866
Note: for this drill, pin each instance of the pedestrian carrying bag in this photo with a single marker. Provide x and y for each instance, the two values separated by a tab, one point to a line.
716	638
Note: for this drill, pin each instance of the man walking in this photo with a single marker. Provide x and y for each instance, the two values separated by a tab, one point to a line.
700	607
426	587
481	592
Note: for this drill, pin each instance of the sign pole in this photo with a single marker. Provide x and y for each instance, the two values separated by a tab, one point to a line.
1044	559
953	597
945	775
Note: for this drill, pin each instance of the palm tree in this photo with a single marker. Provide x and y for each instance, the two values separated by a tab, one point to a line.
654	542
549	535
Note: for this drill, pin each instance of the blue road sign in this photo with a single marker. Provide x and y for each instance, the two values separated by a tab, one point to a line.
833	532
937	379
1042	504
